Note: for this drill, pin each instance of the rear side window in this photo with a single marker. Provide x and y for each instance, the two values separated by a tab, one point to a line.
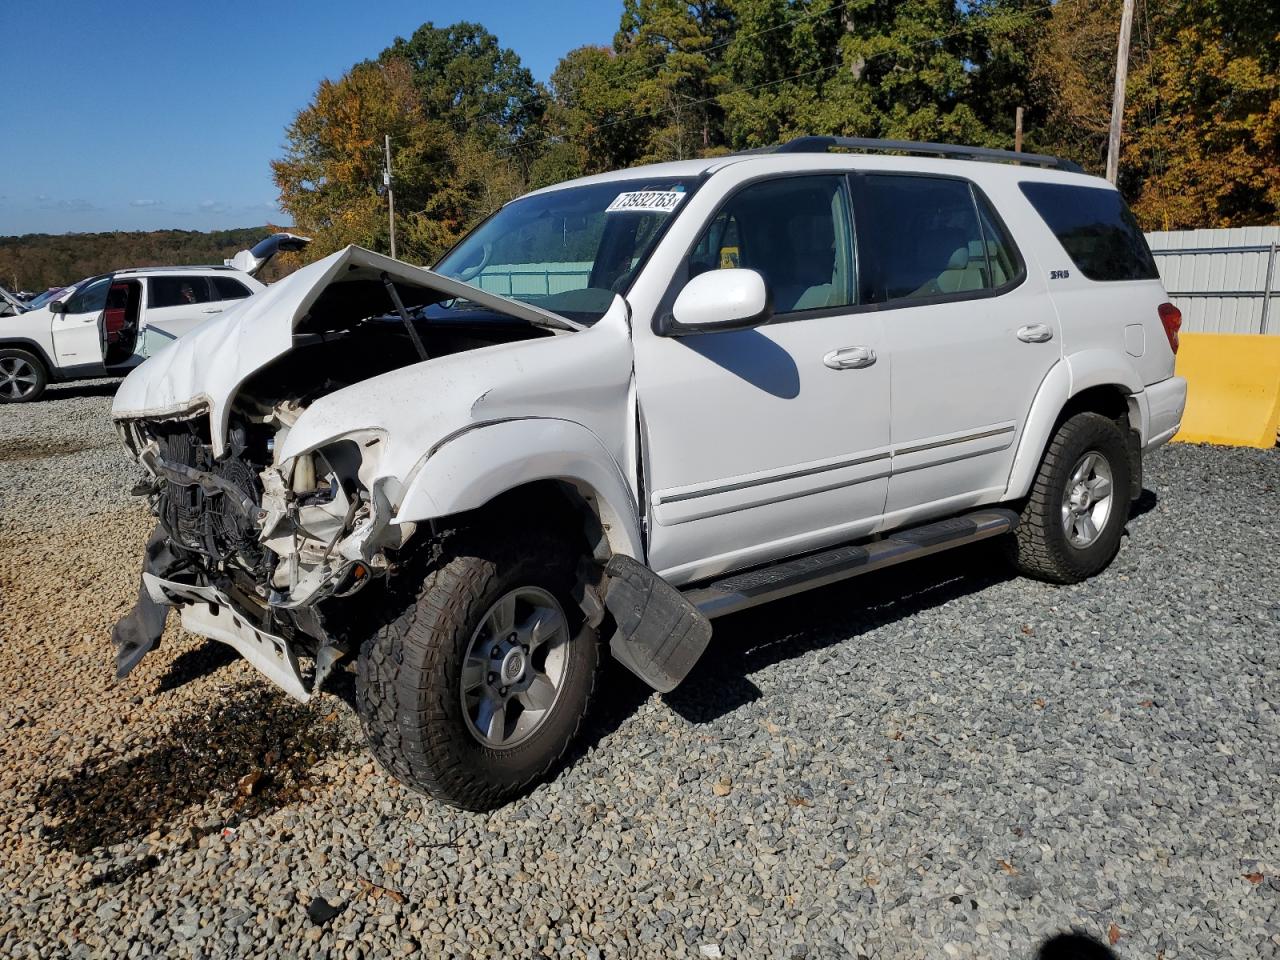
1095	227
932	237
229	289
177	291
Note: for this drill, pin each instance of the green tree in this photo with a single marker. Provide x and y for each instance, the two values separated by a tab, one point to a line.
671	50
467	80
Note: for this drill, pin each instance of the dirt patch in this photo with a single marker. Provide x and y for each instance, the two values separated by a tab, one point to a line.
34	448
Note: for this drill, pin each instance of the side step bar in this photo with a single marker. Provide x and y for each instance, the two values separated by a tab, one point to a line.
742	590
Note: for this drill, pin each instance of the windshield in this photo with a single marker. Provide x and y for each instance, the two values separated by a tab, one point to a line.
51	294
567	251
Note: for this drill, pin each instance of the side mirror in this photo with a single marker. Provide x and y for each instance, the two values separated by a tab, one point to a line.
720	300
57	306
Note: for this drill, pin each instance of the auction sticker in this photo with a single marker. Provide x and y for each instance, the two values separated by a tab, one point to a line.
646	201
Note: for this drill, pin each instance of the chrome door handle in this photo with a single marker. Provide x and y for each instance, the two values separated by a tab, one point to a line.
218	310
1035	333
850	358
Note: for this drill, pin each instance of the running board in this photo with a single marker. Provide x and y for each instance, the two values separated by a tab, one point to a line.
742	590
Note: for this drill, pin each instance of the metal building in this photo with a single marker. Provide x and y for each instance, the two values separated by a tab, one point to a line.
1223	281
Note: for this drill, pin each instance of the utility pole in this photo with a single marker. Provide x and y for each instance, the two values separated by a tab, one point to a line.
391	197
1017	131
1117	100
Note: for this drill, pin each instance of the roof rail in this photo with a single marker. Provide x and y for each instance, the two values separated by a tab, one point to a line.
949	150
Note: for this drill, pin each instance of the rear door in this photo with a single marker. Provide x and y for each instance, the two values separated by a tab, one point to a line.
971	336
177	303
77	331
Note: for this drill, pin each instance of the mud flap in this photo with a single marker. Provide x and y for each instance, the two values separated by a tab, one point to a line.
660	634
138	630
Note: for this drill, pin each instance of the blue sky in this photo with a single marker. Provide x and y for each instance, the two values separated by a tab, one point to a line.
125	115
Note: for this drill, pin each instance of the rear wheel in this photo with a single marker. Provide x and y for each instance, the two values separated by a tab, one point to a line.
23	376
1074	516
477	687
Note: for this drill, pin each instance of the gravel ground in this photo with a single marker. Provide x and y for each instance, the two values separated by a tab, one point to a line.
938	762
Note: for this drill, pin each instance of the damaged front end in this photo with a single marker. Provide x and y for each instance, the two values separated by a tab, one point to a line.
276	441
250	547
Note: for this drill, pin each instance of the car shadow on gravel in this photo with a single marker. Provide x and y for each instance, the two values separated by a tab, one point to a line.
251	754
747	642
88	388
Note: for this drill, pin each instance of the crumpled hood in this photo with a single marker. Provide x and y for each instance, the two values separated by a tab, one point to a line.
205	368
583	378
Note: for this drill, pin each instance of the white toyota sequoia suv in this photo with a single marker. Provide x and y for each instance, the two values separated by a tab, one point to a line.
629	404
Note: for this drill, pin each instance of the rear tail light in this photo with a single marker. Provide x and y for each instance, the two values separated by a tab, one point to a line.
1171	318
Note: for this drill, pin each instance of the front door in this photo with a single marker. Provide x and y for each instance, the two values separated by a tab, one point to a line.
769	442
77	333
972	339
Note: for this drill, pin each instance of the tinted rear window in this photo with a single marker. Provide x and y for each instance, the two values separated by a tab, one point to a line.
1096	229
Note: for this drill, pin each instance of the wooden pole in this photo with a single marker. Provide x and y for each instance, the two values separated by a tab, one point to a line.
1017	131
391	197
1117	100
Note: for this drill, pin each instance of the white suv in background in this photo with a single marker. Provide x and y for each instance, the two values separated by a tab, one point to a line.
104	326
624	406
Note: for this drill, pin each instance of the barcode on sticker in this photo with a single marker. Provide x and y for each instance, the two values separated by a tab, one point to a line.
646	201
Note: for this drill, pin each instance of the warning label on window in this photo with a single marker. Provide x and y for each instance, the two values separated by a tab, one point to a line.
646	201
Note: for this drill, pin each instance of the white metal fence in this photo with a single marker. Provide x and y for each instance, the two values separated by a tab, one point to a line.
1223	281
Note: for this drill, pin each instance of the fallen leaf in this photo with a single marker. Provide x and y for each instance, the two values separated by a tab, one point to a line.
1039	701
1113	934
375	892
799	802
897	735
1147	703
1254	878
1027	631
329	717
1007	867
246	785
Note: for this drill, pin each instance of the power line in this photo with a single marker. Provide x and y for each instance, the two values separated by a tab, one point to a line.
658	111
650	68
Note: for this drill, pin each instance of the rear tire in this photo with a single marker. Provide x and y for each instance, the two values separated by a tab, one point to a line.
414	673
1075	514
23	376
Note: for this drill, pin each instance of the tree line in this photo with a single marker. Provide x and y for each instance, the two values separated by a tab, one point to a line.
37	261
471	128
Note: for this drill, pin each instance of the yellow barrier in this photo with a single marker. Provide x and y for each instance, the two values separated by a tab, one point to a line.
1233	389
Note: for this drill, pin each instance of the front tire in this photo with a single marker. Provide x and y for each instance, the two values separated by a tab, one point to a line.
23	376
479	684
1075	514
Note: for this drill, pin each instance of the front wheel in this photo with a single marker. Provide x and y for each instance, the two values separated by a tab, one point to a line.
478	686
1074	516
22	376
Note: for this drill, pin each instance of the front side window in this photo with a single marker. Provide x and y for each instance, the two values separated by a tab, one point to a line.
1096	228
796	232
177	291
90	297
568	251
932	237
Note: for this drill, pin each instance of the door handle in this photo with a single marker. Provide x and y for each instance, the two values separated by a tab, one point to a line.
1035	333
850	358
216	310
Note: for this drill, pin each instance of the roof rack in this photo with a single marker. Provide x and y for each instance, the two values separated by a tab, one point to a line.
949	150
